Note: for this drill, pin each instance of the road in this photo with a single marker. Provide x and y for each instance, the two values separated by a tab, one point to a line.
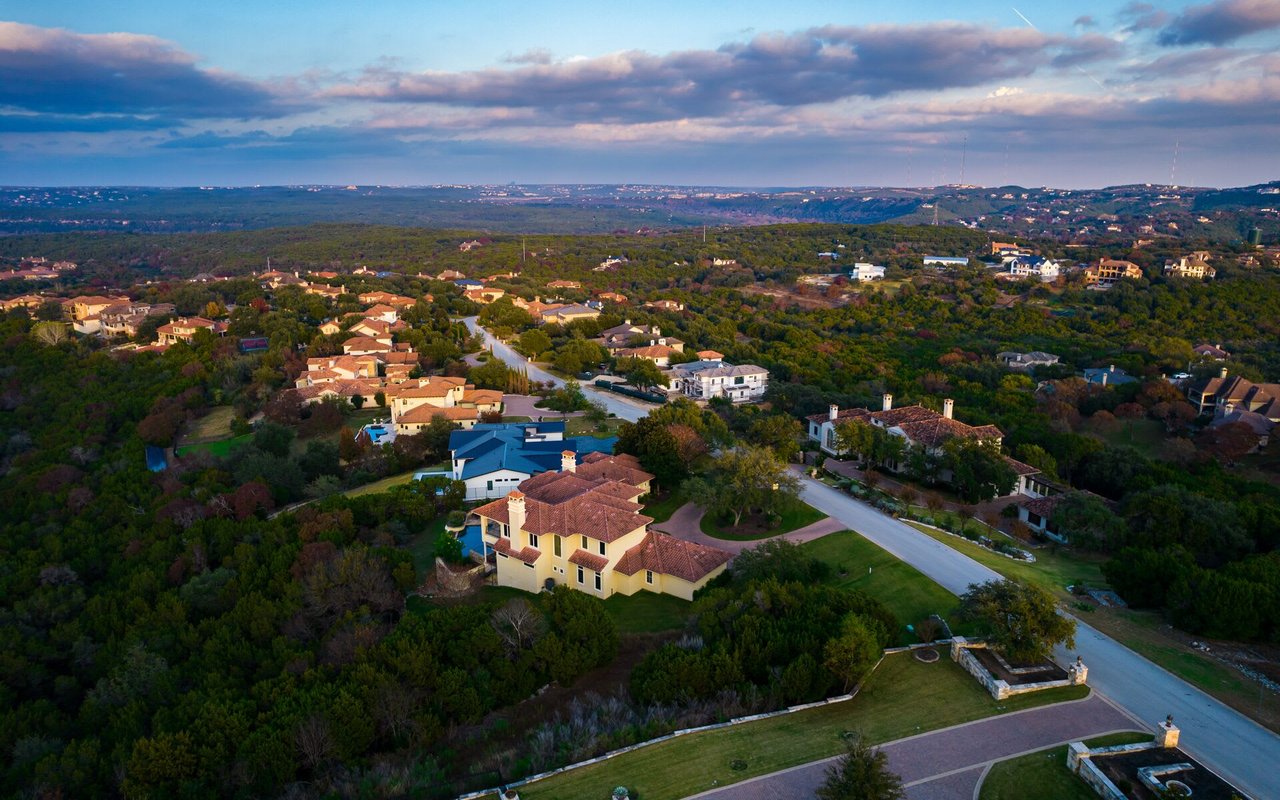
622	407
1238	748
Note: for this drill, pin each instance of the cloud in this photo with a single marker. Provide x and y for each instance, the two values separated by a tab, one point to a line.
1085	21
1199	62
1140	16
74	123
58	71
535	55
1221	22
819	65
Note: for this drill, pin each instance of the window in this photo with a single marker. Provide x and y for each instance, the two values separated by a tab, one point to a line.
533	540
527	564
602	548
555	544
584	543
597	581
648	576
490	486
580	573
506	531
738	381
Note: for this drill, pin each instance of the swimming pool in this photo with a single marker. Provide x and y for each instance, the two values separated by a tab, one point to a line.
471	540
379	434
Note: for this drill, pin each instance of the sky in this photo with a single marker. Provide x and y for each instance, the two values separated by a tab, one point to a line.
726	93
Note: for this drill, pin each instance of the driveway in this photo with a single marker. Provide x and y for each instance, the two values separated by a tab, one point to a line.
622	407
948	764
685	524
522	405
1237	747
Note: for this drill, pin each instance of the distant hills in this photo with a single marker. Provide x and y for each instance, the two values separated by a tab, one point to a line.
1131	211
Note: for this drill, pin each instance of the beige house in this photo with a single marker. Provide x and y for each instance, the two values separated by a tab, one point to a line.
184	329
415	403
582	527
1189	267
1108	272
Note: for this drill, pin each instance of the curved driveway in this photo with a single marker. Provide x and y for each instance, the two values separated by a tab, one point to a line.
1244	752
622	407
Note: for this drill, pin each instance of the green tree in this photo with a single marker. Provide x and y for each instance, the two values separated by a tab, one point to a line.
851	654
745	479
780	432
533	343
862	773
567	398
1087	520
1022	620
978	471
642	373
578	355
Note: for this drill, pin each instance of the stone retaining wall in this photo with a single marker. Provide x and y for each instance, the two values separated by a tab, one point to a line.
460	581
1077	674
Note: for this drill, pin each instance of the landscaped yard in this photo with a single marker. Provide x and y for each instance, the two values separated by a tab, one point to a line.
664	506
907	592
1044	774
423	548
901	698
212	426
1144	435
646	612
220	448
384	484
795	516
581	426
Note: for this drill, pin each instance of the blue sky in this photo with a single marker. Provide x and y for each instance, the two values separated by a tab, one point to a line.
731	93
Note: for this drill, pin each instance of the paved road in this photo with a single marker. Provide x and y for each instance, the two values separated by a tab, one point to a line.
622	407
948	764
685	523
1241	750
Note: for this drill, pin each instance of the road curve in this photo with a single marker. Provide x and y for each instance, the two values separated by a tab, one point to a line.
1241	750
621	407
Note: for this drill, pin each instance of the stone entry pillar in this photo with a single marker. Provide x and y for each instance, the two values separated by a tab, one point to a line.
1167	733
1078	673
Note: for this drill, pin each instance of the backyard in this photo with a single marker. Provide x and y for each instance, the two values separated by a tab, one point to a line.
901	698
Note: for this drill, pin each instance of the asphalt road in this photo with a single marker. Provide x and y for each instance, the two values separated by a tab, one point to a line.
622	407
1238	748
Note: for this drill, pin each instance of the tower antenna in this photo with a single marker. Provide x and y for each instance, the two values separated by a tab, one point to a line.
964	153
1173	167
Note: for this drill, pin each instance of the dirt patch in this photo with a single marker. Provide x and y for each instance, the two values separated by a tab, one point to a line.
751	526
1018	674
1123	771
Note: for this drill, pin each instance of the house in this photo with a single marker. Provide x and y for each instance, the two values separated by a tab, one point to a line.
126	319
705	379
945	262
30	301
1260	424
659	354
327	275
325	290
582	528
1226	394
820	280
84	306
274	279
1111	375
829	255
1022	266
484	294
563	284
1108	272
450	275
612	297
397	301
610	263
415	403
366	345
376	328
863	272
384	312
563	315
1191	266
1005	248
494	458
665	305
467	247
1211	351
499	276
1026	361
330	327
621	337
184	329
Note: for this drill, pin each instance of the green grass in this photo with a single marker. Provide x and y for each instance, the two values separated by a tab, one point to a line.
666	505
907	592
581	426
423	548
794	517
1052	570
517	419
1144	435
647	612
901	698
221	448
387	483
214	425
1044	774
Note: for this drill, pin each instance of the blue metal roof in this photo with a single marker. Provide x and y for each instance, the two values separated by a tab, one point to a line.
490	447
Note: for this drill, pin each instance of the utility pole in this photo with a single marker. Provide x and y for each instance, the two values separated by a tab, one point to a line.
964	153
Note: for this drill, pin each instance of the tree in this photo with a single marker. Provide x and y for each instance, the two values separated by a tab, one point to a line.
978	471
50	333
1229	442
861	774
780	432
578	355
1022	619
852	653
567	398
519	624
642	373
747	478
1087	520
449	548
533	343
493	374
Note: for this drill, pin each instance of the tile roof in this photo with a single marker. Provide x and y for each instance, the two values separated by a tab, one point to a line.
1019	468
589	560
528	555
426	413
841	415
572	506
934	432
667	555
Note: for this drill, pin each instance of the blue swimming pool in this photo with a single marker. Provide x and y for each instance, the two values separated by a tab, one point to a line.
379	434
471	540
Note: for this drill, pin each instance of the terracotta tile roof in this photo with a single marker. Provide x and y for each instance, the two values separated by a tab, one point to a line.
481	396
935	432
589	560
614	468
1041	505
1021	469
897	416
365	343
841	415
667	555
650	351
426	413
528	555
596	514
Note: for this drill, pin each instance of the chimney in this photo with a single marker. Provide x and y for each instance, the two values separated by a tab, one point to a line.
833	412
1111	368
888	402
515	515
948	407
568	461
626	322
1222	373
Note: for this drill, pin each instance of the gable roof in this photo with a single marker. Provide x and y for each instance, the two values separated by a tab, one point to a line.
667	555
488	448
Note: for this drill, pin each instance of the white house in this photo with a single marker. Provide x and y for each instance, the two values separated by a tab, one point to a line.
863	272
705	379
1045	269
493	459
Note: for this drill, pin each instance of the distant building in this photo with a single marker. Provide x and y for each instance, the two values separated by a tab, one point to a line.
1108	376
1025	266
1229	393
563	284
563	315
704	380
665	305
1108	272
863	272
184	329
946	262
1192	267
1026	361
1211	351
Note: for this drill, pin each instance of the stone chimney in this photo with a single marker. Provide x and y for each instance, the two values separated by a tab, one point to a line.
568	461
948	407
887	402
833	412
515	516
1222	373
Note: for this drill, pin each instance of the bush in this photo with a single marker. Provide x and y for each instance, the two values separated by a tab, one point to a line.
457	518
449	548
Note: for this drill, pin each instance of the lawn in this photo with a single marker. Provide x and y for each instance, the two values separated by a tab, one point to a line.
646	612
1054	570
387	483
221	448
1144	435
664	506
795	516
907	592
212	426
423	548
901	698
581	426
1044	774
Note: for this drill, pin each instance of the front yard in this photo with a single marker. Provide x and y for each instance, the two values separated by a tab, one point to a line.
755	526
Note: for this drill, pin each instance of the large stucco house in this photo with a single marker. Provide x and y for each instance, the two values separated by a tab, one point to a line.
583	528
711	377
494	458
